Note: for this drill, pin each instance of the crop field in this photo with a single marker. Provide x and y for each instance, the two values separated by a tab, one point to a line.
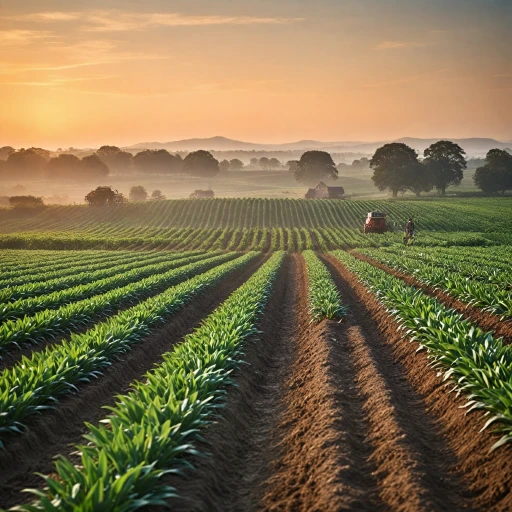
256	354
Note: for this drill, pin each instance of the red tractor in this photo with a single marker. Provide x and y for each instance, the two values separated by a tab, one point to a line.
375	222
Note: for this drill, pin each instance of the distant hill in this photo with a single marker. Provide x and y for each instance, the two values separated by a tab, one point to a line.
472	146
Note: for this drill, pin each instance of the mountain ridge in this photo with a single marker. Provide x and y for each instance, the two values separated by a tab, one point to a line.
472	145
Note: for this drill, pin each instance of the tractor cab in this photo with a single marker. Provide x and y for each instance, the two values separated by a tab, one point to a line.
375	222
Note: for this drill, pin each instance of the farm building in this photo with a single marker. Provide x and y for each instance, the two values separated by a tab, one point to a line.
322	191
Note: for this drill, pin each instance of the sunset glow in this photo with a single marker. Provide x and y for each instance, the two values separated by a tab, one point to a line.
88	73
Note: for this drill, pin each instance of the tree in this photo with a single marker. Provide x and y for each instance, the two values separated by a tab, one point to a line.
496	175
27	163
254	162
63	167
5	151
201	163
314	166
224	166
115	159
420	179
236	165
446	162
138	193
274	163
393	166
292	165
157	195
26	201
101	196
264	163
93	168
157	161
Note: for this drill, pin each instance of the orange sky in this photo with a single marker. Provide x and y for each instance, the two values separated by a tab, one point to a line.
120	72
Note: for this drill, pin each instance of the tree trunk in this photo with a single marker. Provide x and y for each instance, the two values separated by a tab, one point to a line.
418	194
395	194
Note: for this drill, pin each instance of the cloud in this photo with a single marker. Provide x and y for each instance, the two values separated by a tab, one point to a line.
18	36
45	16
81	54
119	21
391	45
53	81
115	21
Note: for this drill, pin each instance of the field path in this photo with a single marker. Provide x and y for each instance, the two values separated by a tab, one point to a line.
56	432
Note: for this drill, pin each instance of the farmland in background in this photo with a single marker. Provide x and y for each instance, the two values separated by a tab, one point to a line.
316	367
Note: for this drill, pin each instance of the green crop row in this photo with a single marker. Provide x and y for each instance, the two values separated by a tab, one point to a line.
71	316
323	296
479	363
82	275
21	307
35	263
33	384
491	297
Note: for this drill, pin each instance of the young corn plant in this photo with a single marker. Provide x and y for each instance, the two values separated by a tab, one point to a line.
47	323
34	384
153	429
323	295
479	363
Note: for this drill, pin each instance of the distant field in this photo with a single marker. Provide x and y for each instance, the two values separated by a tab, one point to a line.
255	224
275	184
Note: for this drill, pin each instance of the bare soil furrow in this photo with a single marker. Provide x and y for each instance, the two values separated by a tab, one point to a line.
240	444
454	456
54	432
324	460
486	321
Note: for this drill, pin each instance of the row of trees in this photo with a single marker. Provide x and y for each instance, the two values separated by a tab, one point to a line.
37	163
397	168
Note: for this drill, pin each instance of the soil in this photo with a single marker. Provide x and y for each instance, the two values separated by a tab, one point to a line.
321	416
341	416
56	432
486	321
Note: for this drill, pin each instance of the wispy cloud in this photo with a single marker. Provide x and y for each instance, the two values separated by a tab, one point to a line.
81	54
55	81
121	21
19	36
391	45
45	16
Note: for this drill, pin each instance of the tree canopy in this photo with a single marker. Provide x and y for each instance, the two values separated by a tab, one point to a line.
201	163
446	163
26	201
314	166
496	174
115	159
157	161
394	166
27	163
102	196
138	193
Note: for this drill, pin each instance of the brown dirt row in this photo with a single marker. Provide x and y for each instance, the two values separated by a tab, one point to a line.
468	475
486	321
55	432
322	418
239	443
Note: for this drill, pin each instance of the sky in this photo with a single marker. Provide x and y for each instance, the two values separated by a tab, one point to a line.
84	74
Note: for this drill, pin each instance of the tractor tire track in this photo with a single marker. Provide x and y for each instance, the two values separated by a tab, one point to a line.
55	432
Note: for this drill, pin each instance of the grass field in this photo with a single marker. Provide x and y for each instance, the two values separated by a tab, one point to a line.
256	354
